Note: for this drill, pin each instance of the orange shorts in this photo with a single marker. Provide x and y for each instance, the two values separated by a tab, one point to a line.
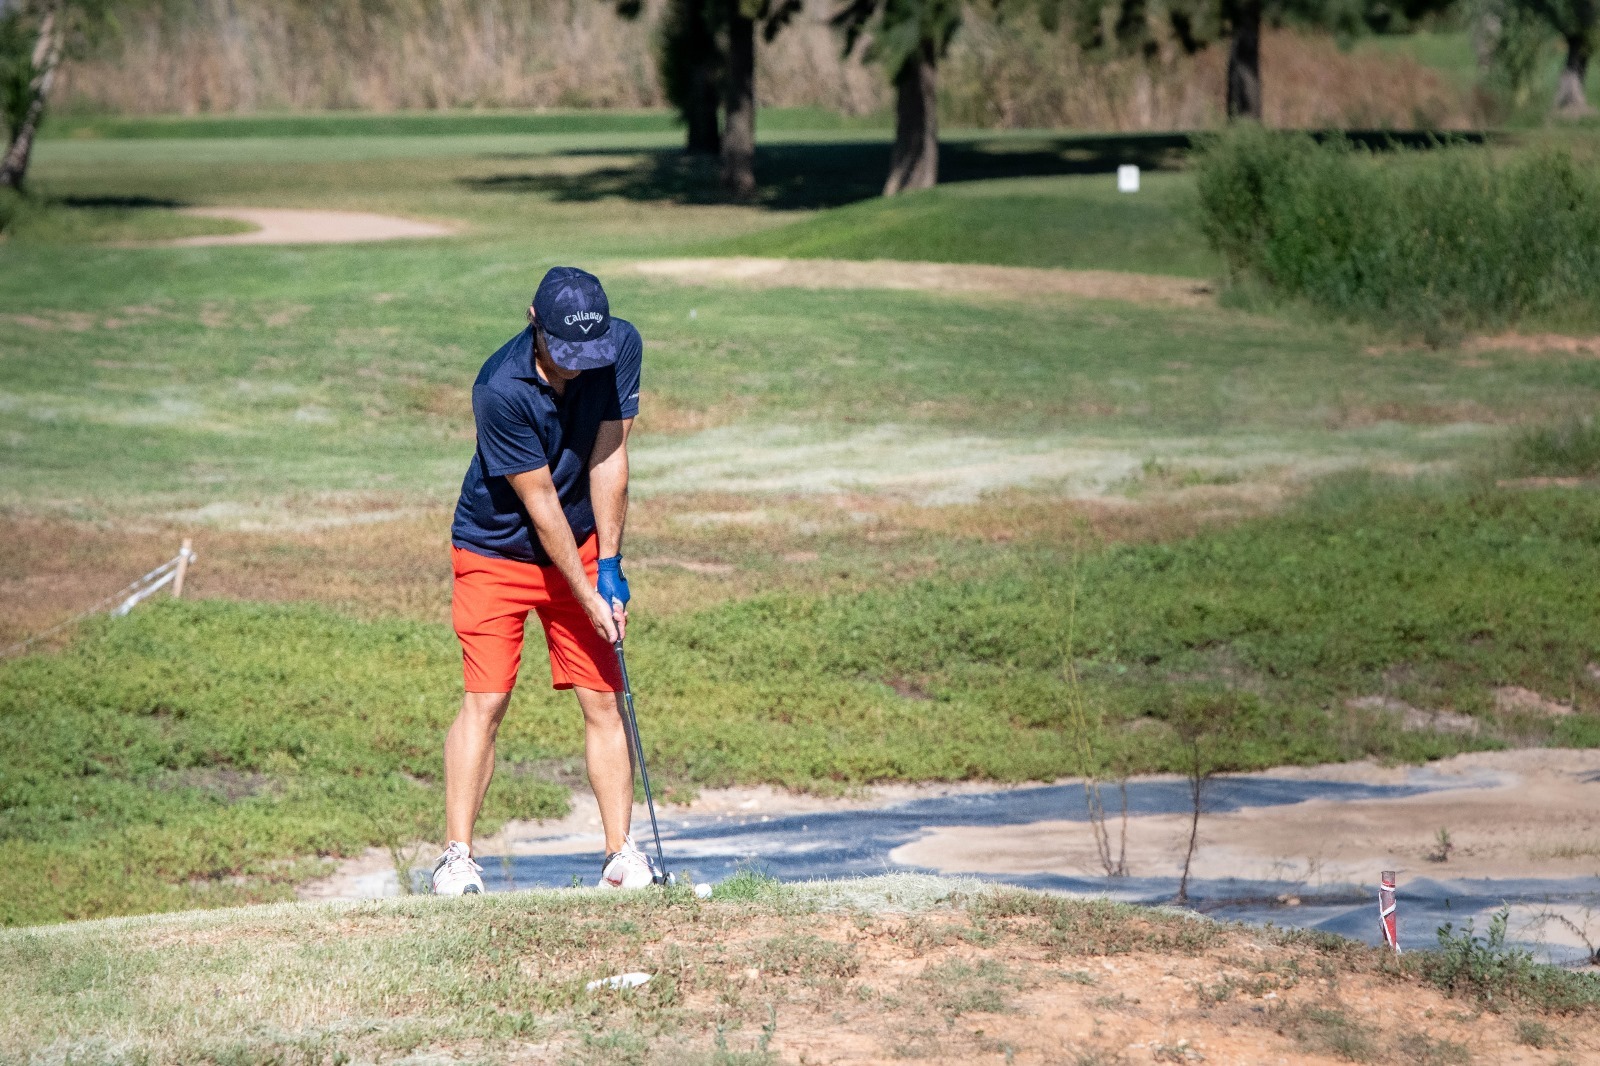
490	605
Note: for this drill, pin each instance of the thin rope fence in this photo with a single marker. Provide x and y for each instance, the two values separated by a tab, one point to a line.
119	603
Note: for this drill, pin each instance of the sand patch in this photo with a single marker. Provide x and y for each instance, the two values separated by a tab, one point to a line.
1415	719
276	225
940	277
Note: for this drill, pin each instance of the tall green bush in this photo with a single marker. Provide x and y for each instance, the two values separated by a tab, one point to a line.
1426	242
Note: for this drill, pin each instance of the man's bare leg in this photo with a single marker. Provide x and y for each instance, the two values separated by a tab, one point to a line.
610	770
469	760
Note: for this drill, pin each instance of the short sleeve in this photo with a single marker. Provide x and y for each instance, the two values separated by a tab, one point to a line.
630	363
507	438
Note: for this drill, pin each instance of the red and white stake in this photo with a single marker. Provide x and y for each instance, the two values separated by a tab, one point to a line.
1386	909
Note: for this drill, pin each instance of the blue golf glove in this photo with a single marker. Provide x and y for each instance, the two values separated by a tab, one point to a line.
610	583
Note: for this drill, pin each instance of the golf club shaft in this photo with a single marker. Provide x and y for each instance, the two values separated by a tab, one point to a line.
631	721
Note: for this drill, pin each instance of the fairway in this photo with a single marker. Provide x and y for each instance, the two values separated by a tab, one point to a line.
859	512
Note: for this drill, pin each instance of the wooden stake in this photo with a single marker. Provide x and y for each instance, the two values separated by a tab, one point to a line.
184	555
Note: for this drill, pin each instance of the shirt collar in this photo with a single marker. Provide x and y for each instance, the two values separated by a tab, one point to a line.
523	361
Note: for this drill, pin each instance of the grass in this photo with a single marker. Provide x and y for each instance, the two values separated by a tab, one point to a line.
204	753
1568	449
138	384
1081	223
201	746
422	123
763	975
90	221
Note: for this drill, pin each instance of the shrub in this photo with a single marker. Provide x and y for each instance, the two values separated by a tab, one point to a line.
1495	974
1427	242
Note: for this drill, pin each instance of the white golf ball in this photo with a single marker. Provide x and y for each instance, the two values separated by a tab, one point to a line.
702	891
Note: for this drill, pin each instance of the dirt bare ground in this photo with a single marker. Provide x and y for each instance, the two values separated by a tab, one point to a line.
890	970
1514	814
278	225
943	277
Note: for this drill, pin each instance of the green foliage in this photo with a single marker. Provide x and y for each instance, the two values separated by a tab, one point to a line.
1427	243
1566	449
899	30
1484	968
1519	44
16	68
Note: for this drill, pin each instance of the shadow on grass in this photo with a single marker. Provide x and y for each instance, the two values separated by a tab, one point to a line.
809	176
118	202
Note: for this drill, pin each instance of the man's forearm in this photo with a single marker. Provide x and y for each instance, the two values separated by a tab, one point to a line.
538	495
608	487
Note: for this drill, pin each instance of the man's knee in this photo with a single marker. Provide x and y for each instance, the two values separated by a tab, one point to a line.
600	709
483	711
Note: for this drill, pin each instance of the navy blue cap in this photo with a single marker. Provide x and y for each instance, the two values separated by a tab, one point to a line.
576	318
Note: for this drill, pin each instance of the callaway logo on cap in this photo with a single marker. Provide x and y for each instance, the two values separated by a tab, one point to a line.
576	318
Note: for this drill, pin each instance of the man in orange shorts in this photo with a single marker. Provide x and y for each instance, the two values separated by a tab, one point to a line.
539	528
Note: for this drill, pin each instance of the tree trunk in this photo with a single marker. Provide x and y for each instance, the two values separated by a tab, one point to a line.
46	58
915	162
704	135
739	106
1244	62
702	112
1572	97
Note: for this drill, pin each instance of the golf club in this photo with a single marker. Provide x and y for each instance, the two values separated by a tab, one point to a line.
630	723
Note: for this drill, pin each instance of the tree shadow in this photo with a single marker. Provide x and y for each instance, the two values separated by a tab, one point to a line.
119	202
801	176
808	176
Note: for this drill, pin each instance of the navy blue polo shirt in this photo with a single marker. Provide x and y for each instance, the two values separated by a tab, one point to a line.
524	425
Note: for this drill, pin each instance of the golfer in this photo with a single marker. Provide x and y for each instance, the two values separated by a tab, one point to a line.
539	528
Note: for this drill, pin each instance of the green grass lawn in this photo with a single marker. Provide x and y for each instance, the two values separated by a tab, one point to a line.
209	744
201	753
172	379
1080	223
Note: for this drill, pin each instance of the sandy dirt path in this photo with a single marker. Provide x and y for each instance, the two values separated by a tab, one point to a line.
943	277
1510	814
1527	813
278	225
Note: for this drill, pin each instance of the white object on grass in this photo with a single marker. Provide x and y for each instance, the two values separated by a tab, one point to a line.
1127	178
702	891
617	981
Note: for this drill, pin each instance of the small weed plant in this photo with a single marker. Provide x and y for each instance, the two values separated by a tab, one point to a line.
1487	969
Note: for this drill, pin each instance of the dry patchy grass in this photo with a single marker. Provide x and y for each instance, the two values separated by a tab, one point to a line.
895	968
382	557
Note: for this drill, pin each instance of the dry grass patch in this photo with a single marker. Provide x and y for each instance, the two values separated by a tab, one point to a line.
1005	282
382	557
893	968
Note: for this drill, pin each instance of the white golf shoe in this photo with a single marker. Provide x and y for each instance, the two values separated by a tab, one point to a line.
627	868
455	874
